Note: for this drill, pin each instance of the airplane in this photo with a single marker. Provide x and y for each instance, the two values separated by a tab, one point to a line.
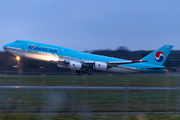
83	63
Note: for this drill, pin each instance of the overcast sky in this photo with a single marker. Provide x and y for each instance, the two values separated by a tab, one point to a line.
92	24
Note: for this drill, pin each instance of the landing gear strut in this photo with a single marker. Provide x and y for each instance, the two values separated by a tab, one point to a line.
84	72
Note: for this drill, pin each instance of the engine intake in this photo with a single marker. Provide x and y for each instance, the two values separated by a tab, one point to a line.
100	66
74	65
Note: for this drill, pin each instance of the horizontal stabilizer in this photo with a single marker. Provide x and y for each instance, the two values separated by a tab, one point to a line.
155	67
127	62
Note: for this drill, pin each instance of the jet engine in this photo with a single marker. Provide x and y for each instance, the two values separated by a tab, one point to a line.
74	65
100	66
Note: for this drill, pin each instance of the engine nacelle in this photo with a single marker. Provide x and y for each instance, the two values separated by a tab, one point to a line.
100	66
74	65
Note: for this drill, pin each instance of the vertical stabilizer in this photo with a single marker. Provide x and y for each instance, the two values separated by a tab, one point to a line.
159	56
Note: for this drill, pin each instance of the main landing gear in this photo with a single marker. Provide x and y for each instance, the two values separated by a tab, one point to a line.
84	72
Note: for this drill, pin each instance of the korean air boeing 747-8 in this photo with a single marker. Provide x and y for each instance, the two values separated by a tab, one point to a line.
84	62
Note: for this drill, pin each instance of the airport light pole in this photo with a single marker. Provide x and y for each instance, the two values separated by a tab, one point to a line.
20	83
19	65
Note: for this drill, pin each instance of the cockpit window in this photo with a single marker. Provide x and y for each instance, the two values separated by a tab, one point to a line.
16	41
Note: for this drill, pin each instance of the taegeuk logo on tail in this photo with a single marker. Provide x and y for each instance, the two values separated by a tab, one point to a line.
159	56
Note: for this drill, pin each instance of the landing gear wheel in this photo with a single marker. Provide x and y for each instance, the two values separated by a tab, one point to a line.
89	72
84	72
78	72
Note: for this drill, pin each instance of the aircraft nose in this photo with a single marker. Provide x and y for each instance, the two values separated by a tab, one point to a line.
5	46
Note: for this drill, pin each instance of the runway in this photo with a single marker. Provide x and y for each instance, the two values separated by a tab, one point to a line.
88	88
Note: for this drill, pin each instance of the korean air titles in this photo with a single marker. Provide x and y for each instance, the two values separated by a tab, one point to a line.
42	49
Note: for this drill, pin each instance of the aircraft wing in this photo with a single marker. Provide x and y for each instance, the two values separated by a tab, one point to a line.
90	63
61	60
116	63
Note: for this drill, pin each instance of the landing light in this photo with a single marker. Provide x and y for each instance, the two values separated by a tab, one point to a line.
18	58
15	66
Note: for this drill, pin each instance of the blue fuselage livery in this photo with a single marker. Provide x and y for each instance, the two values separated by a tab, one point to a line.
83	62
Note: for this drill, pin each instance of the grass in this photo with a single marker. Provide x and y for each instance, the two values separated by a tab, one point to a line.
94	80
13	101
